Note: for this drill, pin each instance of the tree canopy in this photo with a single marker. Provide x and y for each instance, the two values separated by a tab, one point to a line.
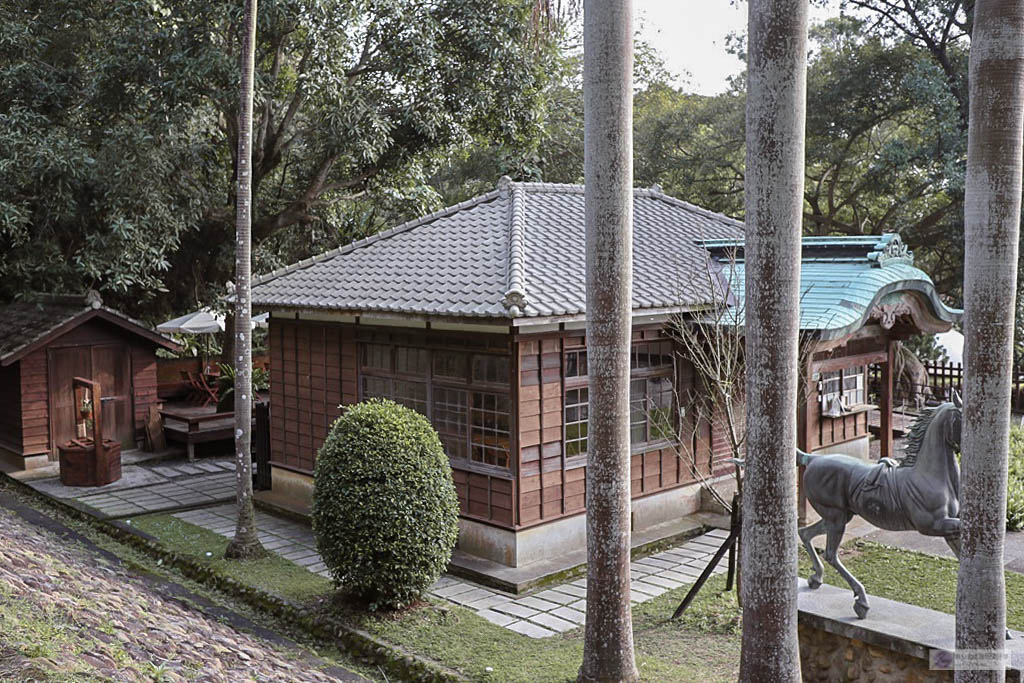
118	130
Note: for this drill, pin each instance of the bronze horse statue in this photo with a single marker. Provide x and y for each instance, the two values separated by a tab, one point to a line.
921	492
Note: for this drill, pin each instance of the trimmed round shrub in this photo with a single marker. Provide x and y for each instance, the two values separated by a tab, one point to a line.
385	512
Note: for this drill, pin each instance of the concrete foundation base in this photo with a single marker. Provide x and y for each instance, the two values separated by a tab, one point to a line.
14	460
569	534
857	448
293	492
290	491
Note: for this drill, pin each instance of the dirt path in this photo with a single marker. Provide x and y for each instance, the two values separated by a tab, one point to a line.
69	612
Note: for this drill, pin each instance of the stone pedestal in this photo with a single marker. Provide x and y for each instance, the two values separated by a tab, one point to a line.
896	642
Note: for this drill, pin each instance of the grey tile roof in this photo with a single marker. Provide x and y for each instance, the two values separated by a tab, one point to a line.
517	251
28	323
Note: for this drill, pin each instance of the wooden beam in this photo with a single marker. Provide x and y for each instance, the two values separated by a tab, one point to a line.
843	362
885	431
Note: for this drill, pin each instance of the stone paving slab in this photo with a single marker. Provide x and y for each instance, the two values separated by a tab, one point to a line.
556	609
147	488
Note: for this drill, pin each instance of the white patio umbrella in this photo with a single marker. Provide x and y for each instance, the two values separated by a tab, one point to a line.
204	321
196	322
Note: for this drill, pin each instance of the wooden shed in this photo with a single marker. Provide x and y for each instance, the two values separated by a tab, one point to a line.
43	345
475	316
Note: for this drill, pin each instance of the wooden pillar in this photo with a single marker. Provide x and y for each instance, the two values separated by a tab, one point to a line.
885	431
807	401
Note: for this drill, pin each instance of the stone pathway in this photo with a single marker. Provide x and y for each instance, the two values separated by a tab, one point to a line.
153	488
551	610
288	538
561	608
69	612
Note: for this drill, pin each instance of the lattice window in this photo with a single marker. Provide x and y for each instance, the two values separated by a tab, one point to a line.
490	433
459	392
577	407
849	386
652	406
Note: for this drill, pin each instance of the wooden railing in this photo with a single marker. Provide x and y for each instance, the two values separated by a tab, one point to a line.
942	377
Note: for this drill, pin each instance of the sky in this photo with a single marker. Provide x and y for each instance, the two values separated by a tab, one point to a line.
691	35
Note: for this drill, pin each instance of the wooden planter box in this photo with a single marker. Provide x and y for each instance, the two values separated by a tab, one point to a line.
82	465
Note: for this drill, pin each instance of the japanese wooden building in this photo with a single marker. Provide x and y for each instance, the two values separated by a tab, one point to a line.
46	343
475	317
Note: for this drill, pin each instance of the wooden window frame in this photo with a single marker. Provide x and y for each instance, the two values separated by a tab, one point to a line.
468	387
576	382
840	376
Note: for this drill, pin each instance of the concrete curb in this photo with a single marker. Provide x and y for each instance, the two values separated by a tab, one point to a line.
357	642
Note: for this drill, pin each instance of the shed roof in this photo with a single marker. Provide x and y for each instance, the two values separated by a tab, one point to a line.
843	281
516	252
29	325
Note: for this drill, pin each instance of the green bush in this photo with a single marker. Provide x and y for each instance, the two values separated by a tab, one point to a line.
1015	487
385	513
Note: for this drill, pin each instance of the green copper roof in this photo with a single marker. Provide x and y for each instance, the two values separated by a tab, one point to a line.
842	280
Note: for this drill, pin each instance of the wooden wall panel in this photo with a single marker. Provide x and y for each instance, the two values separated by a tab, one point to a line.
144	385
306	388
547	489
35	411
314	370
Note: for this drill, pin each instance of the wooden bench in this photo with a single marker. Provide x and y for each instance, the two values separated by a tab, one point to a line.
189	427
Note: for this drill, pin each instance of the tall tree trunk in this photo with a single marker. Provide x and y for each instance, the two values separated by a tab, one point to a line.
992	203
776	94
245	543
608	161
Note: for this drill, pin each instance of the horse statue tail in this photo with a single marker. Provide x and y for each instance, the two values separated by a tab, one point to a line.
803	459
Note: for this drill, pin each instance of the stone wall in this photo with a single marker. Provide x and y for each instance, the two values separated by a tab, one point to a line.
826	657
893	643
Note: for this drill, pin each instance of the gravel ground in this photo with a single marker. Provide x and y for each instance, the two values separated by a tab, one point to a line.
67	612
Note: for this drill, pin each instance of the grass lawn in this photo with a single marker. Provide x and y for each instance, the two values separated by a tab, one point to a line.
703	646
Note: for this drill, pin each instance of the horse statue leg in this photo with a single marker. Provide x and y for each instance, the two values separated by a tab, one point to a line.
835	536
808	534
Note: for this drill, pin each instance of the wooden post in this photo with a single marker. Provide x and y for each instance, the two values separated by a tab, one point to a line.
808	400
885	431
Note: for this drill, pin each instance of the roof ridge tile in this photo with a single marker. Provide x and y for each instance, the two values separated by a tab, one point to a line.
515	297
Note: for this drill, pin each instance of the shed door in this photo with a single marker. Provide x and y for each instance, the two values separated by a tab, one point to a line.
108	364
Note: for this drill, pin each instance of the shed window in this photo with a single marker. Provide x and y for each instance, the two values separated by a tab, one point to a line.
577	407
412	395
847	385
376	356
411	361
491	433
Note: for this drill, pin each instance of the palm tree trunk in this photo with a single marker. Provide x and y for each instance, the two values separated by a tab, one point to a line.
246	543
776	94
608	160
992	204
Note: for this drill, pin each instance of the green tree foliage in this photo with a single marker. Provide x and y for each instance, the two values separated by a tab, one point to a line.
885	147
101	168
556	155
118	129
385	513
